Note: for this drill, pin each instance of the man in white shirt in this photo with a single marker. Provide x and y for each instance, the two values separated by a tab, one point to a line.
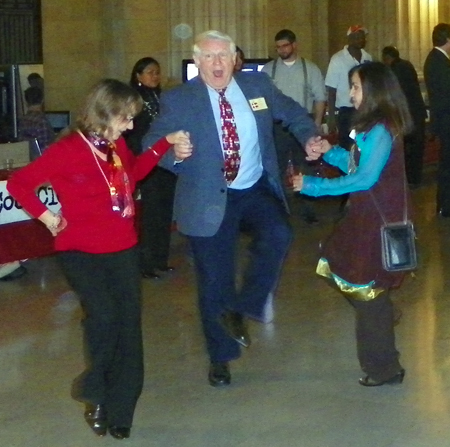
301	80
337	82
296	76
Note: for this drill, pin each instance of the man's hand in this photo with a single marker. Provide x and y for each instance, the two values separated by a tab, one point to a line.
313	148
182	146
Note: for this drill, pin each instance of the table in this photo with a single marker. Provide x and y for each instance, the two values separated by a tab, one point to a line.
22	237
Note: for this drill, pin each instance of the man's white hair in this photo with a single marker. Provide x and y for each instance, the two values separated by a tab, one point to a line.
212	35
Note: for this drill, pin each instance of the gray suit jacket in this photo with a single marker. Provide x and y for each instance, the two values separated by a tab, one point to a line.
201	192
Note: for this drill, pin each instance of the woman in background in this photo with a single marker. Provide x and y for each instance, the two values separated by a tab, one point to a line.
94	175
158	188
240	59
375	170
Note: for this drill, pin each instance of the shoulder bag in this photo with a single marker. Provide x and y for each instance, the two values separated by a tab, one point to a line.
398	241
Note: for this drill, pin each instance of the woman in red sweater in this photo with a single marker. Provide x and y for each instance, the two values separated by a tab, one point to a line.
94	175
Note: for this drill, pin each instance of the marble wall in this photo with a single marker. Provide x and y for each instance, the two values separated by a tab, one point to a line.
73	50
89	39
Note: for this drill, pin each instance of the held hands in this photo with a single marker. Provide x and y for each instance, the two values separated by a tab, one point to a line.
297	182
182	146
315	147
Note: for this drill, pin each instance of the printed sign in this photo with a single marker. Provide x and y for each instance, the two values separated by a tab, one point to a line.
11	211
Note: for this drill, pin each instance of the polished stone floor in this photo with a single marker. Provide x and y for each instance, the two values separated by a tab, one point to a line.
295	387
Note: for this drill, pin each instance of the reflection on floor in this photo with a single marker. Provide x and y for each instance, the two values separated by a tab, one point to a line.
296	386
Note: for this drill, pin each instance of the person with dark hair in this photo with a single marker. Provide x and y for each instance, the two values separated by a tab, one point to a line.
414	142
34	96
437	79
301	80
158	187
36	80
94	175
34	124
336	81
376	181
231	179
240	59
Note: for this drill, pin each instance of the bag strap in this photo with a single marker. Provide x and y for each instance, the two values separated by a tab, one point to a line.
405	201
274	69
305	77
305	85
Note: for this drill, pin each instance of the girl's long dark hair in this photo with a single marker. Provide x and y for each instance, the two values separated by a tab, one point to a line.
383	100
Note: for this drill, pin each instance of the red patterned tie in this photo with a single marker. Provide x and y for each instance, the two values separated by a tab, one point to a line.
230	138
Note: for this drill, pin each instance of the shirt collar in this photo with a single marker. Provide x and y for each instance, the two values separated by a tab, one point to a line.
363	54
230	87
443	51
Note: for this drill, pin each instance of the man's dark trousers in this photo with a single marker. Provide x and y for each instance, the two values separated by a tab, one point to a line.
215	259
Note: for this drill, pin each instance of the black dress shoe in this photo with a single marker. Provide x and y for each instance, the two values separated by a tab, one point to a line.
166	268
95	416
219	374
394	380
119	432
234	324
150	275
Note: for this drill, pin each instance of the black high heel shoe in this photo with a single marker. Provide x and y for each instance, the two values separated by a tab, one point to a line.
95	416
119	432
394	380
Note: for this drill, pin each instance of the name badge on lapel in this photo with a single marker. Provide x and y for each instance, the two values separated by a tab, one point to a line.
258	104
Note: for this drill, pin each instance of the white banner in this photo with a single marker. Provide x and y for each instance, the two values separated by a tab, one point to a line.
11	211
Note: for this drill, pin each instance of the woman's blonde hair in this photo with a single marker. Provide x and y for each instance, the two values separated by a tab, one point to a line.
107	100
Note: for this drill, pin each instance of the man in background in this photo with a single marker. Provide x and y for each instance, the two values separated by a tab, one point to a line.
437	80
36	80
337	83
414	143
301	80
34	124
240	59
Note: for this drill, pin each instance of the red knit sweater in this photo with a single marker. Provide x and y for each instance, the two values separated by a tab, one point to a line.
69	166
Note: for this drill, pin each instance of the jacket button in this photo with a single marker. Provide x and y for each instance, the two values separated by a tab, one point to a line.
222	169
222	190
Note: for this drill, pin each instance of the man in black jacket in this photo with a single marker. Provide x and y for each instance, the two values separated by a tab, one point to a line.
414	143
437	79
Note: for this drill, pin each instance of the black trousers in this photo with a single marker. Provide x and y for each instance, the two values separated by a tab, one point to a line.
414	144
157	195
375	337
443	176
215	261
108	286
